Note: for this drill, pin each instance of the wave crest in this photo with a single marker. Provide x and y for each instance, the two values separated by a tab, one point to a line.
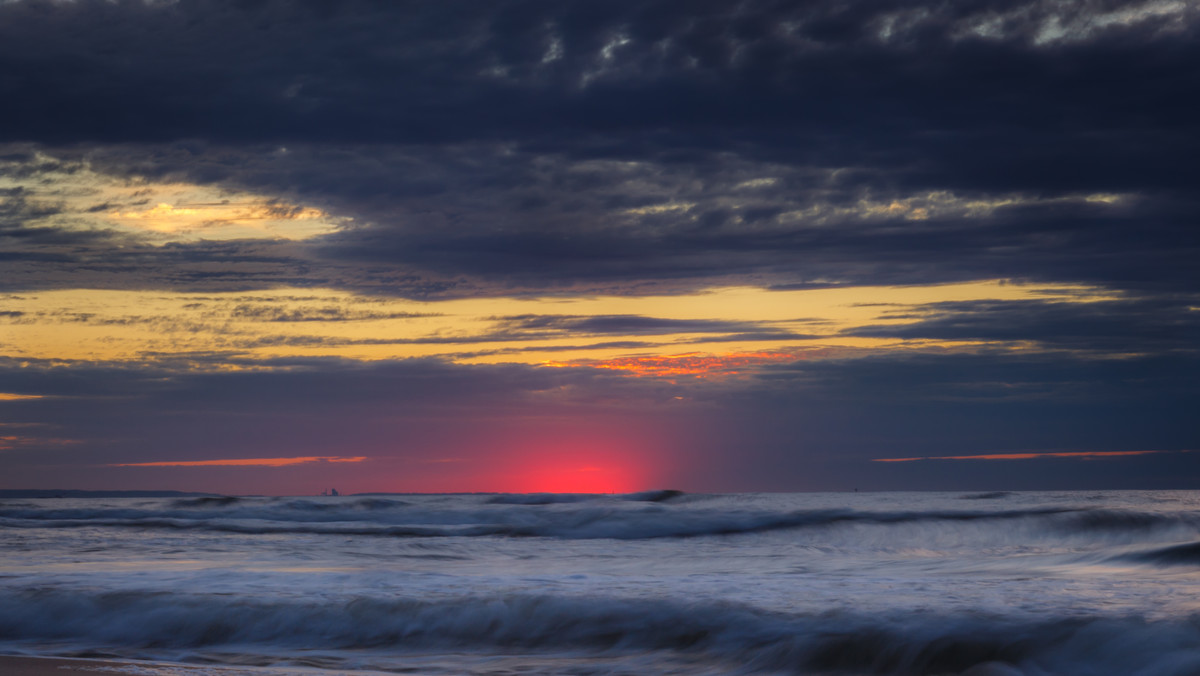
756	639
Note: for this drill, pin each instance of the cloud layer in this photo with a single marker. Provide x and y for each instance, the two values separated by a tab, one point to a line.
269	213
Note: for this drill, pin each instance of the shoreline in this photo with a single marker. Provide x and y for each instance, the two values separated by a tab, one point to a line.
41	665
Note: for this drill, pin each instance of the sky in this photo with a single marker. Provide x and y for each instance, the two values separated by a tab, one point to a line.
268	247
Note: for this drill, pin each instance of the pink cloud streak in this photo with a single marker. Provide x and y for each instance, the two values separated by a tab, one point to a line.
244	462
1023	456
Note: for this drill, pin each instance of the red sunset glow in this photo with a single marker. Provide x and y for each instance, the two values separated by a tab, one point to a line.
589	459
564	477
569	471
578	458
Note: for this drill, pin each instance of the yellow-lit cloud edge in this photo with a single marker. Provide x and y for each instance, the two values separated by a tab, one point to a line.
116	326
159	212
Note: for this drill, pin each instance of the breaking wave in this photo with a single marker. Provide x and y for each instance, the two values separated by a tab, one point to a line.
636	516
207	501
1177	555
584	523
754	639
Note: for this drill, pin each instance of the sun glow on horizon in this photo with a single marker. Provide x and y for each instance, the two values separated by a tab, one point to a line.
560	456
572	478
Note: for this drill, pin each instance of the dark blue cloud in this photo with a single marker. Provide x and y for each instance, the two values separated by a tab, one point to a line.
1154	325
633	325
861	83
538	147
505	146
928	95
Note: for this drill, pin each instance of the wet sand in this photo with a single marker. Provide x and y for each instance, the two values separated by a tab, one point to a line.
57	666
51	666
22	665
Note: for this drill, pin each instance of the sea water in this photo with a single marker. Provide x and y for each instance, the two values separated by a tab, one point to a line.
996	584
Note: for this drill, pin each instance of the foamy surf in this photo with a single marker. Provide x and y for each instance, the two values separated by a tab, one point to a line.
654	583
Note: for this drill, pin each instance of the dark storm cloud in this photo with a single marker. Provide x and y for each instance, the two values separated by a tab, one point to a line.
279	384
507	221
1031	379
518	328
631	325
39	244
1143	245
828	83
269	313
15	209
1153	325
523	146
67	259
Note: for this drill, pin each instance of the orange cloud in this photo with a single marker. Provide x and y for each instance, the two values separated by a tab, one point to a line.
1023	456
9	396
244	462
690	364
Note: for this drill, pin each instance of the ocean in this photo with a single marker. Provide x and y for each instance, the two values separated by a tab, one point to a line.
980	584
